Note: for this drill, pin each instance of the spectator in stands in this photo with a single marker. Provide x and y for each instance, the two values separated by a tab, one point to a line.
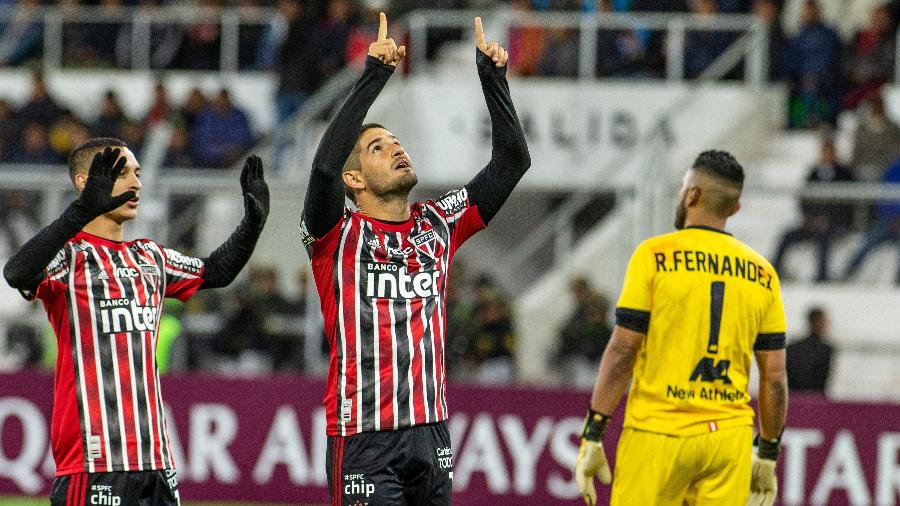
195	103
811	64
200	42
526	43
221	133
34	147
111	119
809	360
584	336
655	61
160	110
178	153
299	66
21	38
333	34
18	217
768	12
40	108
7	128
876	141
274	33
702	47
885	229
560	56
493	341
821	221
459	323
620	53
134	133
868	62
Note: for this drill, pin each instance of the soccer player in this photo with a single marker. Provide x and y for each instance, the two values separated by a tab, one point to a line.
381	273
696	305
104	298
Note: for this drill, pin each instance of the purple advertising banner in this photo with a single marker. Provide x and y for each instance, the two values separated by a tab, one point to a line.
262	440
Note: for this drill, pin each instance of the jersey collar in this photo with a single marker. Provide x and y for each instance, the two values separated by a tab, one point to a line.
710	229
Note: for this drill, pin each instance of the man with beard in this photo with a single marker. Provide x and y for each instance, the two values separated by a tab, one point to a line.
696	305
381	272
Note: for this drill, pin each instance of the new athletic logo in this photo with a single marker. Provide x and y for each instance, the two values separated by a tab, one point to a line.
124	315
454	202
392	281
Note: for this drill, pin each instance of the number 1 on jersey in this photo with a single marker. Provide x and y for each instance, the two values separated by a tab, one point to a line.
717	299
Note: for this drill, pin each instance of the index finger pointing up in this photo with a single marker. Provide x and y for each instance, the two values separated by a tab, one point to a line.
479	34
382	26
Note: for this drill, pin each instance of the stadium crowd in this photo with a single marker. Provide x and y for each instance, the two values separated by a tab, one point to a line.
258	326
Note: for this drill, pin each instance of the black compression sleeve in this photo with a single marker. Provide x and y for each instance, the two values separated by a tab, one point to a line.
25	269
490	188
224	264
325	195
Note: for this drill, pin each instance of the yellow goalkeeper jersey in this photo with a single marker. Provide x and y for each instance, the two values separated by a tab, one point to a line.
705	301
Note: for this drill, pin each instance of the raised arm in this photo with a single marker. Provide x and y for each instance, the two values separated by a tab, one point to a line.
325	194
490	188
224	264
25	270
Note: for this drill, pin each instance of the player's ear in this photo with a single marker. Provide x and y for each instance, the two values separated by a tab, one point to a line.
737	207
353	179
693	195
80	181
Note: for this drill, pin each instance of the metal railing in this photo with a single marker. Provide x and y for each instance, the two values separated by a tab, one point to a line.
676	26
53	19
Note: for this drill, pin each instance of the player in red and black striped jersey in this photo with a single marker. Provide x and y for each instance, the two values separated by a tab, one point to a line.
381	273
104	298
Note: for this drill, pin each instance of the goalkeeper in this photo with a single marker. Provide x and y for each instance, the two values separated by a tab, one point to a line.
696	305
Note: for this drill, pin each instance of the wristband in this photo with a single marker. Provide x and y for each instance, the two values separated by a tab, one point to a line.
768	449
594	425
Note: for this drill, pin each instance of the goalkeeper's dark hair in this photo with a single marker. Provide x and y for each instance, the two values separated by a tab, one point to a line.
80	157
352	162
722	165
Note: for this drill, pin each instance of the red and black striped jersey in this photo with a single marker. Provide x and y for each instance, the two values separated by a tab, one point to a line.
382	288
104	300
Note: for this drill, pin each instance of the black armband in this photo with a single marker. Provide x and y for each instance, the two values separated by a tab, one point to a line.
594	425
768	449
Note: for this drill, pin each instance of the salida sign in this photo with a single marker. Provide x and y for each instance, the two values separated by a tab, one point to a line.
263	440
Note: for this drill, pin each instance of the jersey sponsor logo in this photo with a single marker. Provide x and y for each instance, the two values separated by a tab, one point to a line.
183	262
454	201
58	264
445	457
392	281
125	272
305	236
125	315
358	485
103	495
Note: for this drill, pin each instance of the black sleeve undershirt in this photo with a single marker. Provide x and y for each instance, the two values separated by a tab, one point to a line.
490	188
324	202
226	262
633	319
25	269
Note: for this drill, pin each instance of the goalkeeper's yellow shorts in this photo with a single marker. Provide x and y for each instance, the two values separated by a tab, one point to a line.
709	469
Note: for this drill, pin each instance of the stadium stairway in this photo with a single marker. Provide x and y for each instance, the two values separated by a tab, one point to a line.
862	312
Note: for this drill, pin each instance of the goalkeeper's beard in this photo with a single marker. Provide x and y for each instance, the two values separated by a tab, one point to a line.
680	215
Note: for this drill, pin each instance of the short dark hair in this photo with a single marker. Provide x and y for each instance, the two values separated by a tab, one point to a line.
352	162
722	165
81	156
815	314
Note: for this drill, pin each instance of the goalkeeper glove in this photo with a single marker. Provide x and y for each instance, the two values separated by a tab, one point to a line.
763	483
591	459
